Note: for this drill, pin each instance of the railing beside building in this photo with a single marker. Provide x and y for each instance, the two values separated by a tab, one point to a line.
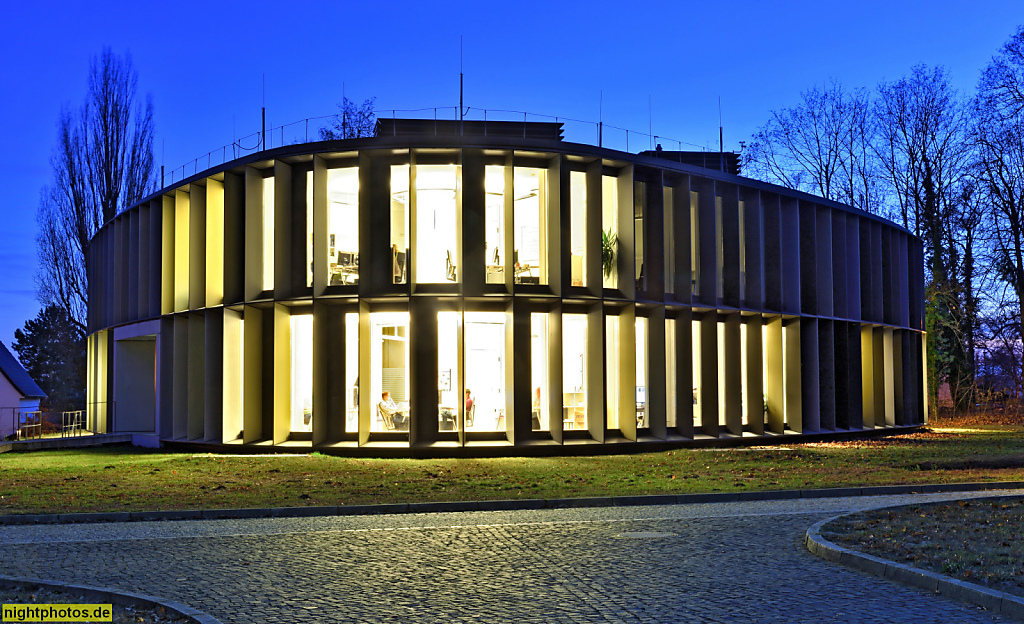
307	130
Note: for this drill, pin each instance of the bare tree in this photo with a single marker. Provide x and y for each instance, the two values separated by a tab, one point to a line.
351	121
102	164
925	150
999	130
822	146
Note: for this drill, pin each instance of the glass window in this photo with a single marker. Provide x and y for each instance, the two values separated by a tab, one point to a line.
539	370
399	223
639	197
720	327
484	395
578	228
671	373
268	233
743	251
612	371
719	248
343	226
694	245
574	371
698	419
610	230
641	373
302	372
670	250
309	228
352	372
389	371
448	371
529	237
436	224
494	224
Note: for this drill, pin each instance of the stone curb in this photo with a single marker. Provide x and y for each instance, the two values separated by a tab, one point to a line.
990	599
102	596
499	505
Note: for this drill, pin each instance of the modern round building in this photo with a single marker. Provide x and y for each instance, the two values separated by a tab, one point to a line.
487	288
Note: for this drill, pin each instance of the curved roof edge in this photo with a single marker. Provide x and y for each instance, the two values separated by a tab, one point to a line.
505	142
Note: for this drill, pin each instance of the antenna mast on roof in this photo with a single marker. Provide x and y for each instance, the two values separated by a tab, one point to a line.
721	143
600	116
263	132
461	112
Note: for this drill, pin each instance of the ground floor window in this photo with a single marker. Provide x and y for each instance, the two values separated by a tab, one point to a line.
302	373
389	371
574	372
484	395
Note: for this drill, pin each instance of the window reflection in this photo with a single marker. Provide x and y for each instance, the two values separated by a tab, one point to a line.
574	371
494	224
302	372
436	224
343	226
529	238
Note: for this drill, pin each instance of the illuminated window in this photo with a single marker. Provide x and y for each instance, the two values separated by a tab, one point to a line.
494	224
698	406
612	371
539	371
574	371
528	217
268	233
641	374
436	224
352	372
671	373
343	226
302	372
578	228
610	229
389	371
485	371
448	382
399	223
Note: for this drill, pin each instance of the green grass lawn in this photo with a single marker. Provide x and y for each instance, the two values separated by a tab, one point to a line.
976	541
129	479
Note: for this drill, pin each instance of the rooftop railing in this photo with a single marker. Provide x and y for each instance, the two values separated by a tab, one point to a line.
307	130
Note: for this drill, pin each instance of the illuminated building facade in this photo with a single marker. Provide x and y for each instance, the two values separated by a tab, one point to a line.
509	291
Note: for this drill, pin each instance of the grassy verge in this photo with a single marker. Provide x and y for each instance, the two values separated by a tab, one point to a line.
977	541
128	479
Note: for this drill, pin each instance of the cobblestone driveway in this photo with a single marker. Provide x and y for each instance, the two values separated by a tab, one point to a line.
722	562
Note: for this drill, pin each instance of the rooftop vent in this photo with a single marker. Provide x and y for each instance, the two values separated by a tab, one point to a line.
540	130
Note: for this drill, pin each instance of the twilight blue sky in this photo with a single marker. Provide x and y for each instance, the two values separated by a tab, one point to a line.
662	65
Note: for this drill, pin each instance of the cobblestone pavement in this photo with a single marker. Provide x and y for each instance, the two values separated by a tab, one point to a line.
719	562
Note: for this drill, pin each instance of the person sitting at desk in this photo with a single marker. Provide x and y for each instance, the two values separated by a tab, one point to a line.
393	417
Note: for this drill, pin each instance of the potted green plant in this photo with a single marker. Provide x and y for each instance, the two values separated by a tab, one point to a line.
608	243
